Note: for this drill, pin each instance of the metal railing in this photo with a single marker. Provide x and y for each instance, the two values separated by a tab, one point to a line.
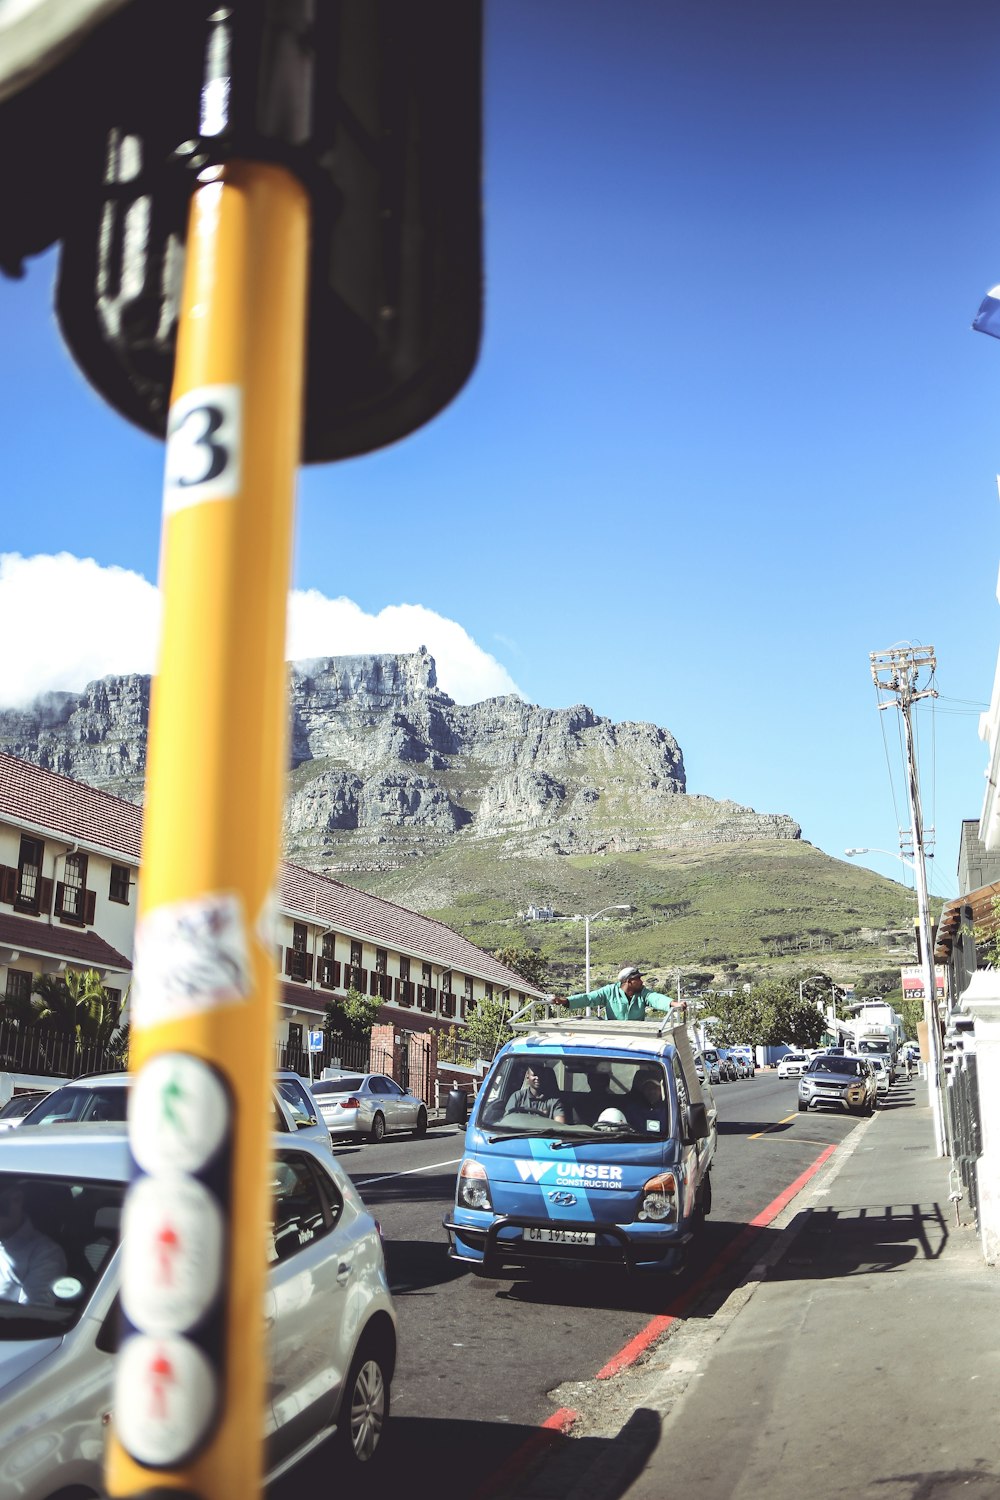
49	1053
964	1121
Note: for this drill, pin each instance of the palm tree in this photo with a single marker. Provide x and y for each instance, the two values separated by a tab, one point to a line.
56	1006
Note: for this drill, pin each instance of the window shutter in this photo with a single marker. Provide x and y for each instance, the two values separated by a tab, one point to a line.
8	884
335	973
373	982
45	895
309	966
60	887
289	960
89	907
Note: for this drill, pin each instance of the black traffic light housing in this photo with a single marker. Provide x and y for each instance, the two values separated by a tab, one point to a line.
375	104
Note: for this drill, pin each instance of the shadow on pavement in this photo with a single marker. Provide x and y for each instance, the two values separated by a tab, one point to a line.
858	1241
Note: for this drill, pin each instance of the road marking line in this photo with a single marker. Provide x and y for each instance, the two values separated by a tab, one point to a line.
632	1350
360	1182
786	1121
554	1427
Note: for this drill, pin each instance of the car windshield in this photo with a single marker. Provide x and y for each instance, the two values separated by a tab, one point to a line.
843	1065
56	1236
552	1093
337	1086
19	1105
102	1102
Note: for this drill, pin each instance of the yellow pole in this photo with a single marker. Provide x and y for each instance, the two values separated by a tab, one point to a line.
189	1397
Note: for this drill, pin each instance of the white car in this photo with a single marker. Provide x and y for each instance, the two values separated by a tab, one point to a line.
881	1072
328	1307
793	1065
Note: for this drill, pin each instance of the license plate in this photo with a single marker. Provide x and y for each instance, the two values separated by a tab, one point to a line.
561	1236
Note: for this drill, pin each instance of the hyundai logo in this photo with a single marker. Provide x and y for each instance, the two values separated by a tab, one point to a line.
565	1200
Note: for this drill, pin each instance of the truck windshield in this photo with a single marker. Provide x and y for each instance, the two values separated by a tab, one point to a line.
546	1093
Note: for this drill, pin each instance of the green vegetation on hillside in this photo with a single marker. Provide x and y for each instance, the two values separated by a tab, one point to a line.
732	911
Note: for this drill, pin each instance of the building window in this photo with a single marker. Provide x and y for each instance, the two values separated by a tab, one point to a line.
73	887
446	979
118	889
355	953
489	992
29	874
426	974
300	937
114	999
404	966
381	960
468	986
329	945
18	984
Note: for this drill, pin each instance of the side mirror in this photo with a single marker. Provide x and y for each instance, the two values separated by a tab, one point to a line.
697	1124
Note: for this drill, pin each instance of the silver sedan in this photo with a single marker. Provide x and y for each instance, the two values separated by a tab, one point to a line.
368	1104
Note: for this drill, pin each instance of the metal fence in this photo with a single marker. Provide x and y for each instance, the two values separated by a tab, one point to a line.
54	1054
338	1051
965	1131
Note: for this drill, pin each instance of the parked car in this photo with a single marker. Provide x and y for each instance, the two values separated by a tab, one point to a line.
17	1106
368	1104
881	1072
333	1335
792	1065
627	1187
719	1060
746	1057
707	1067
742	1064
101	1097
844	1083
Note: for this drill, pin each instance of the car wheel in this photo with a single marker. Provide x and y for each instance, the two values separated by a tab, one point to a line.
378	1129
364	1410
421	1128
803	1108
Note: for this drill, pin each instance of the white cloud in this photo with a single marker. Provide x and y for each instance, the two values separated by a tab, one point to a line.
67	620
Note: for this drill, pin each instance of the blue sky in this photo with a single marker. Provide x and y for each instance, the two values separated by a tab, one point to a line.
729	432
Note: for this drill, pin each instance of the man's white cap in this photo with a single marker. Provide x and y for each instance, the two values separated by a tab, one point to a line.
627	973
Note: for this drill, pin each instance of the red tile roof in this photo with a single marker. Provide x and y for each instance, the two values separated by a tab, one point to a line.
96	818
79	812
53	940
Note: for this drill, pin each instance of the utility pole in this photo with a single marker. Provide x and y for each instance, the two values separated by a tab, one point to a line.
895	673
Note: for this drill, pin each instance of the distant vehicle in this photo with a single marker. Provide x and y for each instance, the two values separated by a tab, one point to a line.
716	1060
332	1320
881	1072
368	1104
14	1111
792	1065
707	1064
844	1083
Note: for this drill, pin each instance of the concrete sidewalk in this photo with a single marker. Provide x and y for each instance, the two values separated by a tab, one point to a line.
864	1361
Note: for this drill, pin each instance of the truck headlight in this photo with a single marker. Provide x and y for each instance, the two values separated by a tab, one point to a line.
473	1187
659	1199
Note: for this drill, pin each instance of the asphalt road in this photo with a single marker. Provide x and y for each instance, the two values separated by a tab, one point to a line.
479	1359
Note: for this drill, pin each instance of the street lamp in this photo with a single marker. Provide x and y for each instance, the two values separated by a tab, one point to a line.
586	937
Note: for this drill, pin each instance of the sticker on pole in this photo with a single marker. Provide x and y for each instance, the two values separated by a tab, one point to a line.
179	1114
204	443
190	957
165	1398
172	1264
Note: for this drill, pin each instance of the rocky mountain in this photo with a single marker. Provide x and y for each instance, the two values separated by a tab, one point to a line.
385	768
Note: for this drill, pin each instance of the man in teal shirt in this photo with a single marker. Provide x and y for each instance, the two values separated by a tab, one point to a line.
625	1000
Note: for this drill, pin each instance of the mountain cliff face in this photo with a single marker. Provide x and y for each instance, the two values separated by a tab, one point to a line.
385	768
